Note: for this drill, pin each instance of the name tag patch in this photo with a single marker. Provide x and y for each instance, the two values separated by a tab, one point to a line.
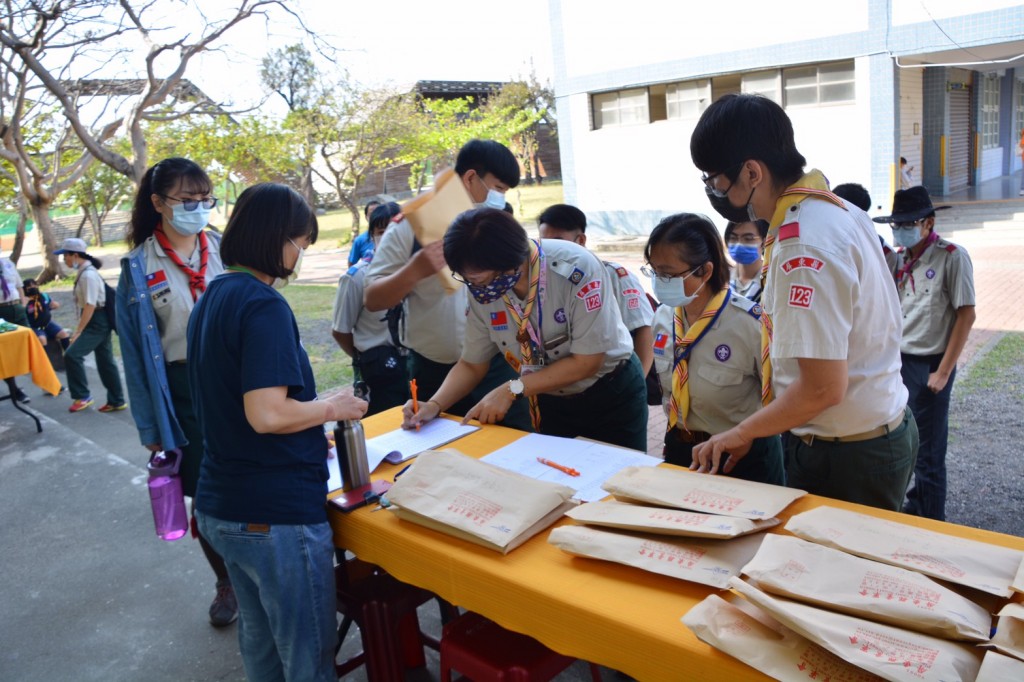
800	296
802	262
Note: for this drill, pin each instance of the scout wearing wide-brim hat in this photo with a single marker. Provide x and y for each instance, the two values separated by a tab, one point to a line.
909	205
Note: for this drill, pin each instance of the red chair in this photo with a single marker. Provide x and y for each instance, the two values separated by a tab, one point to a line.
483	651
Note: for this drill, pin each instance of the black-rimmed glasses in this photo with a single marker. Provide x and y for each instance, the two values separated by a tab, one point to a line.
707	179
648	271
193	204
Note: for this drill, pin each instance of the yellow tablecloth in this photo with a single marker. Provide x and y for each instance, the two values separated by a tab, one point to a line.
615	615
21	353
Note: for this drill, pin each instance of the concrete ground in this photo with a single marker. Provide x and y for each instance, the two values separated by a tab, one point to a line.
90	593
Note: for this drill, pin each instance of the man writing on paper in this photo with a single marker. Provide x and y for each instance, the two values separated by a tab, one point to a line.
435	319
831	322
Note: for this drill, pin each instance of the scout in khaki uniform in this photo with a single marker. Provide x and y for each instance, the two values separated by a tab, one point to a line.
830	324
543	307
12	309
568	223
935	281
706	347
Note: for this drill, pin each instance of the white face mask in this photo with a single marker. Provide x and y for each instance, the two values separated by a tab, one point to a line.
495	199
906	237
282	282
191	222
673	292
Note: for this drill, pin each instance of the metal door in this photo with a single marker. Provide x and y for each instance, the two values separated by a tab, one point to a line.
959	164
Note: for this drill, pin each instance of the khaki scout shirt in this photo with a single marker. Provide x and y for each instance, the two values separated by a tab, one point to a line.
724	367
435	319
368	330
10	274
636	312
169	293
89	287
943	283
578	316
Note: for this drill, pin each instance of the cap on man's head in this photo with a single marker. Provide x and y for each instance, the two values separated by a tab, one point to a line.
909	205
72	245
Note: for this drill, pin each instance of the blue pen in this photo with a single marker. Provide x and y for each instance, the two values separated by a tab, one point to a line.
402	472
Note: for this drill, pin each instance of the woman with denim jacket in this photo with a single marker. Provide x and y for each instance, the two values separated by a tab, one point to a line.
172	260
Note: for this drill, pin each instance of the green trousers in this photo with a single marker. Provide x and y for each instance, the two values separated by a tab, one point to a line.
95	338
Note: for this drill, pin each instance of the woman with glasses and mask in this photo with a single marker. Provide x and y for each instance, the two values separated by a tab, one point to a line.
263	483
706	347
745	241
172	261
546	307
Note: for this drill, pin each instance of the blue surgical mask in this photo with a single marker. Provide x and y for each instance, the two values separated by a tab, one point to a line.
673	292
495	290
192	222
743	254
906	236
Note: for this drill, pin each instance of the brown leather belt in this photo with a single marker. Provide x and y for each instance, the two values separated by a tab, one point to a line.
7	303
877	432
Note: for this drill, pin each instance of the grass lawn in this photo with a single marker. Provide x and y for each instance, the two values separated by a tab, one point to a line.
313	305
527	202
989	372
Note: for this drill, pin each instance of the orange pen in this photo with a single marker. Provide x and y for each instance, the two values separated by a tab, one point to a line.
561	467
415	403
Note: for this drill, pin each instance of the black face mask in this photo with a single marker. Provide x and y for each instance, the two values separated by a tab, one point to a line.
31	291
724	207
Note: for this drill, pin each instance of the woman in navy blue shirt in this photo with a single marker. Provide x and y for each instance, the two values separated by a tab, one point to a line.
263	481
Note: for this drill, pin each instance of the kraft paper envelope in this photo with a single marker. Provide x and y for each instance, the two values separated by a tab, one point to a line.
748	634
1018	580
479	502
891	653
986	567
709	562
815	574
998	668
682	489
431	213
662	521
1009	637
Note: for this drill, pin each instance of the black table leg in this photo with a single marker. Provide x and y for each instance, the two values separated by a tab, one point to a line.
17	406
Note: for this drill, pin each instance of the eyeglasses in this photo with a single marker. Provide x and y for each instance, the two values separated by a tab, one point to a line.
707	179
193	204
459	278
746	239
648	271
905	224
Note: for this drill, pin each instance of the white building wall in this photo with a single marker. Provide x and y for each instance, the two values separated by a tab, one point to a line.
911	109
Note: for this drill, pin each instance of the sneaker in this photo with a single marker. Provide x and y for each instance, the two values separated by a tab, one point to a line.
113	408
224	609
20	396
80	404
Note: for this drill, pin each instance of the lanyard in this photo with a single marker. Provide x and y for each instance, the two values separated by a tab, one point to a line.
536	335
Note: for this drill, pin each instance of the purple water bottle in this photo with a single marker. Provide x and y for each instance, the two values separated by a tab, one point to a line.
166	496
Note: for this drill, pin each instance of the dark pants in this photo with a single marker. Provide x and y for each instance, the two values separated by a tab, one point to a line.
386	374
15	314
927	496
429	376
192	454
874	472
613	410
94	338
762	463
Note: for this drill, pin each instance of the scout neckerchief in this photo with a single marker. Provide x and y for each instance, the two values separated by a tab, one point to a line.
683	344
521	318
196	280
812	184
908	266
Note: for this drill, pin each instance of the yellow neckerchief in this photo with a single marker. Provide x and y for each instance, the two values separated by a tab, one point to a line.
812	184
679	405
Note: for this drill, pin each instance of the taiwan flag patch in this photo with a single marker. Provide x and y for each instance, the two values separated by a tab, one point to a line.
499	321
660	341
156	279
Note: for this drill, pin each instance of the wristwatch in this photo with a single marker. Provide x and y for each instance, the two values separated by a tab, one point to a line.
516	388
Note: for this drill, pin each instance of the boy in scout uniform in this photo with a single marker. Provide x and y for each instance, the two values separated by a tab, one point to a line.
568	223
935	282
542	307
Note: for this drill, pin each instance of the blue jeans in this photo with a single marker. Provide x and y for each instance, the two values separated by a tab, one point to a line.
927	497
283	576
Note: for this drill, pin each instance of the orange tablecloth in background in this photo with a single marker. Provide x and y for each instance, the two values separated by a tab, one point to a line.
21	353
615	615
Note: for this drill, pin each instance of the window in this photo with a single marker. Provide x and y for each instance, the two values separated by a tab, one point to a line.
689	99
990	112
1019	130
763	83
822	84
620	108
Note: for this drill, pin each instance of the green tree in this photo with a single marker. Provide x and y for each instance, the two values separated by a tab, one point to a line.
291	73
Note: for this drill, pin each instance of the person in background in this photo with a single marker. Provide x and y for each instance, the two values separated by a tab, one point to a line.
404	272
364	336
858	195
172	261
562	221
12	309
38	309
263	481
746	246
935	282
542	307
92	333
362	245
706	348
830	320
905	180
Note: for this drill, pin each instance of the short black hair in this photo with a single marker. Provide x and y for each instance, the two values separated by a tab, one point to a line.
488	156
563	217
265	217
761	225
160	179
382	215
368	208
697	242
903	160
485	239
854	193
738	127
